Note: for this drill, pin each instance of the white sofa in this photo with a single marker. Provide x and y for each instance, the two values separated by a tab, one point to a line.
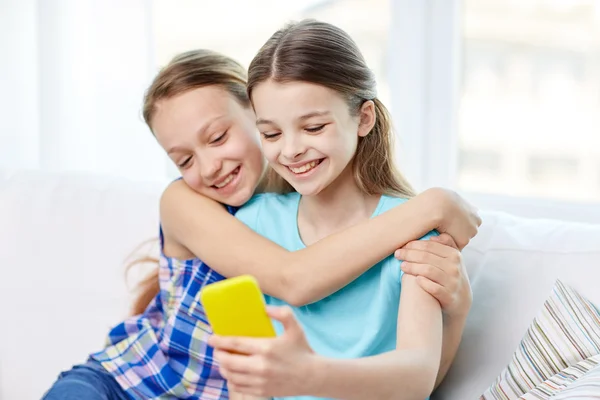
64	240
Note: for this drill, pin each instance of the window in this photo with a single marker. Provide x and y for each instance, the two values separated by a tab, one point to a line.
239	28
530	90
499	99
481	165
546	170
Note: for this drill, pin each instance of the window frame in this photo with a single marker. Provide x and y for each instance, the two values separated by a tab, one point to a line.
426	53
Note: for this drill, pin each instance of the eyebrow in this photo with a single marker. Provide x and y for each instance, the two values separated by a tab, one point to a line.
262	121
202	130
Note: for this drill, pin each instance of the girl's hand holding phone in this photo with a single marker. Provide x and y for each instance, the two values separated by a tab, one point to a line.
280	366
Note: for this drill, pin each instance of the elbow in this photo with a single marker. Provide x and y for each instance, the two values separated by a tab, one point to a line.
294	291
296	301
295	297
419	388
419	382
424	378
425	384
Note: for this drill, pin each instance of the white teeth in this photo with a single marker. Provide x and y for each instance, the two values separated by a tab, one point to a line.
226	181
305	167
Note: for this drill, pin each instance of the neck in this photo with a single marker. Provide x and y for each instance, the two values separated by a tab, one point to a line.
339	206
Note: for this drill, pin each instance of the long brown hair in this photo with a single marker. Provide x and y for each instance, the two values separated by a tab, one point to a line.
321	53
186	71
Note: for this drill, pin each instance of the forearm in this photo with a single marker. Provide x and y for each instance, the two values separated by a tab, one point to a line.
453	331
323	268
398	375
205	229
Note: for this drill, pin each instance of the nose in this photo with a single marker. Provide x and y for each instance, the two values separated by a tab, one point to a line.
293	147
210	167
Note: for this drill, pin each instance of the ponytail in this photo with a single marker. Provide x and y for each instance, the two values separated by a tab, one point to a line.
374	169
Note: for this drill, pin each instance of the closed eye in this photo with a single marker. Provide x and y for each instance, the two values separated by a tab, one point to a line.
185	162
315	129
219	139
271	136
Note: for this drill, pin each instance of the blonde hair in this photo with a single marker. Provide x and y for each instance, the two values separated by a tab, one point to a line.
192	70
186	71
320	53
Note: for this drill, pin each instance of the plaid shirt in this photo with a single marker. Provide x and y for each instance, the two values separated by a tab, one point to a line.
163	353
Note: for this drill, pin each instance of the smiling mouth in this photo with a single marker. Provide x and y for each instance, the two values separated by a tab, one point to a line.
227	179
306	167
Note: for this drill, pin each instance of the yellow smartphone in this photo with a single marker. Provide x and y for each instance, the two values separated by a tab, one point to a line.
236	307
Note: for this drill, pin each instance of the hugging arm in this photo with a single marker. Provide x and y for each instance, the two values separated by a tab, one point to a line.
204	228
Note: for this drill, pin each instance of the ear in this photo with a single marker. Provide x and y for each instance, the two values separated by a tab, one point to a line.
368	118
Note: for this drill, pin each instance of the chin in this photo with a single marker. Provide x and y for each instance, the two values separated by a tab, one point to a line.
306	190
240	198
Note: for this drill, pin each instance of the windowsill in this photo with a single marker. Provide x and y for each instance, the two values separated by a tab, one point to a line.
530	207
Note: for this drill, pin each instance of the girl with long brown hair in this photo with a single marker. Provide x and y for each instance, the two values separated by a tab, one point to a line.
327	139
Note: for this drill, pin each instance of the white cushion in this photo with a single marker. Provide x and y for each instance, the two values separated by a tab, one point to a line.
564	334
64	240
513	264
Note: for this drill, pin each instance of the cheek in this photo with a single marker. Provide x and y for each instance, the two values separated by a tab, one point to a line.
270	150
337	145
232	151
253	156
192	178
347	144
241	145
245	149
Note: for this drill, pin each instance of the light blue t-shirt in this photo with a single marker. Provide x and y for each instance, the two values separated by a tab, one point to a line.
360	319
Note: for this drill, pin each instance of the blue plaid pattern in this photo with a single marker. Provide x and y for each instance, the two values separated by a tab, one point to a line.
163	353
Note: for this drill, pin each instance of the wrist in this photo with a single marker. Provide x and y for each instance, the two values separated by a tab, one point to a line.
433	207
456	318
315	374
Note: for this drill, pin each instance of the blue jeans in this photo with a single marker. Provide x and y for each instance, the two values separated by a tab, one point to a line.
88	381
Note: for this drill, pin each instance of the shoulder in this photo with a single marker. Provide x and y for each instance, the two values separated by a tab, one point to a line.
182	211
391	265
388	202
175	192
178	198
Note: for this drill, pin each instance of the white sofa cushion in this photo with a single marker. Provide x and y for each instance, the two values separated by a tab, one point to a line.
513	264
565	333
64	240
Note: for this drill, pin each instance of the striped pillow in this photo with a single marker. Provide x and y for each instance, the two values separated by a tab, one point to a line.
586	387
575	380
564	333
